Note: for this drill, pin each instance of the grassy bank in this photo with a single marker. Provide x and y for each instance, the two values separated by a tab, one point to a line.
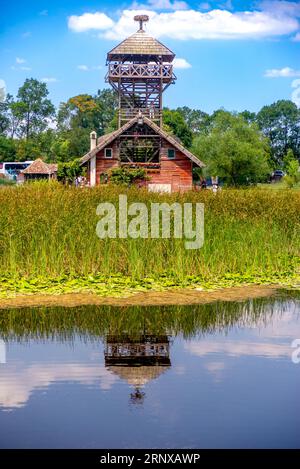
48	241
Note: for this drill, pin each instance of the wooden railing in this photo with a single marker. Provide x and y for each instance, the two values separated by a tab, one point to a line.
130	113
164	71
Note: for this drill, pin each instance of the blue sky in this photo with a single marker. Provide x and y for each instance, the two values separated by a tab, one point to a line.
234	54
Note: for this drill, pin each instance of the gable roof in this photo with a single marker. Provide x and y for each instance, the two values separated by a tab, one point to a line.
109	138
40	167
141	43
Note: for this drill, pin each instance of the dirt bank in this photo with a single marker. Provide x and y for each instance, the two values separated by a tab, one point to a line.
176	297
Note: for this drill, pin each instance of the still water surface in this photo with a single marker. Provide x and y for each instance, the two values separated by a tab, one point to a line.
205	376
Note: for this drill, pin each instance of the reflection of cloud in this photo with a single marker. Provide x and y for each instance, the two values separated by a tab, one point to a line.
215	369
239	348
17	383
268	341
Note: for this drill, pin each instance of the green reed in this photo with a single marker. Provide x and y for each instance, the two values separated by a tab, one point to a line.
49	231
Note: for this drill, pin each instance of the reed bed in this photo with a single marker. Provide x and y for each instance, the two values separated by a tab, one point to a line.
49	231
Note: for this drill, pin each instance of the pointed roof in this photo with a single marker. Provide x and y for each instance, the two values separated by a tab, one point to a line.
138	376
141	43
40	167
109	138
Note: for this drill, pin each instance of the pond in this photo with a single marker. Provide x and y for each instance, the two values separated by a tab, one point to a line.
219	375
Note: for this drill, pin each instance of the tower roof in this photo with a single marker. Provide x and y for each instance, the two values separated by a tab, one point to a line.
141	44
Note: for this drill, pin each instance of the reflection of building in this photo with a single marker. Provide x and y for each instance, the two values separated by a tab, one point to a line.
137	359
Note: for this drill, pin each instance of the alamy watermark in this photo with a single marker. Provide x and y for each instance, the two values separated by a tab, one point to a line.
163	220
2	351
296	353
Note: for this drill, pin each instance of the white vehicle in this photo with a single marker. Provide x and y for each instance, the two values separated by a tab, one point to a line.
12	169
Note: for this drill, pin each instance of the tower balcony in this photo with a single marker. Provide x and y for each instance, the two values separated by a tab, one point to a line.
119	71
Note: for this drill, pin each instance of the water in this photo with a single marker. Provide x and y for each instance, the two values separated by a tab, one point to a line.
205	376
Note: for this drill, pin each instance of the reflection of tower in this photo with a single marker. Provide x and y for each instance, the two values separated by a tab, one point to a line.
137	359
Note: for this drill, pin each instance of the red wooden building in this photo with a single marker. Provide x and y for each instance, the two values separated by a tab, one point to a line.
139	70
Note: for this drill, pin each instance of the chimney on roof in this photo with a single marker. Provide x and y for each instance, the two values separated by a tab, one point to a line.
93	140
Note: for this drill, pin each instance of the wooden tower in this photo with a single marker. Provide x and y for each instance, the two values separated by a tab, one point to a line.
140	69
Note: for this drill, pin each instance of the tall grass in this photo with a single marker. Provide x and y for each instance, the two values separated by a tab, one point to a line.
48	230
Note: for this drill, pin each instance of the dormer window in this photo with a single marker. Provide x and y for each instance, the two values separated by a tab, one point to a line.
108	153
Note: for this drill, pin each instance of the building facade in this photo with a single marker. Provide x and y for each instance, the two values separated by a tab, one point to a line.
140	69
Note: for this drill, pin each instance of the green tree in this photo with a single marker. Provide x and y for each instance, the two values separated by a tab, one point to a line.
174	123
27	149
68	171
196	120
7	149
82	114
293	173
280	122
32	109
233	150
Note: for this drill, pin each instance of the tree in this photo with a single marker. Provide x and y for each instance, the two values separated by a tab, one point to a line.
27	149
82	114
293	173
175	123
233	150
196	120
280	122
249	117
32	109
7	149
68	172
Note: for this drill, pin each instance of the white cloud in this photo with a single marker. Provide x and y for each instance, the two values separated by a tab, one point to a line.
181	63
296	92
49	80
160	5
286	72
183	24
19	60
88	21
2	90
85	68
25	69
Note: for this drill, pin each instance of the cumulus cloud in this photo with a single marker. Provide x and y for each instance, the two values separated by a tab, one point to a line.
2	90
183	24
49	80
285	72
19	60
88	21
181	63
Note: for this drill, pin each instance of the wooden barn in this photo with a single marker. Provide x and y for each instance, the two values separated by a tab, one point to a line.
140	69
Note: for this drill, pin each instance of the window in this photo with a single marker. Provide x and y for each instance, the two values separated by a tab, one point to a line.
108	153
171	153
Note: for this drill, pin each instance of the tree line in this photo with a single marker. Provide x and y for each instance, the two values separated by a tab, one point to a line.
240	147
